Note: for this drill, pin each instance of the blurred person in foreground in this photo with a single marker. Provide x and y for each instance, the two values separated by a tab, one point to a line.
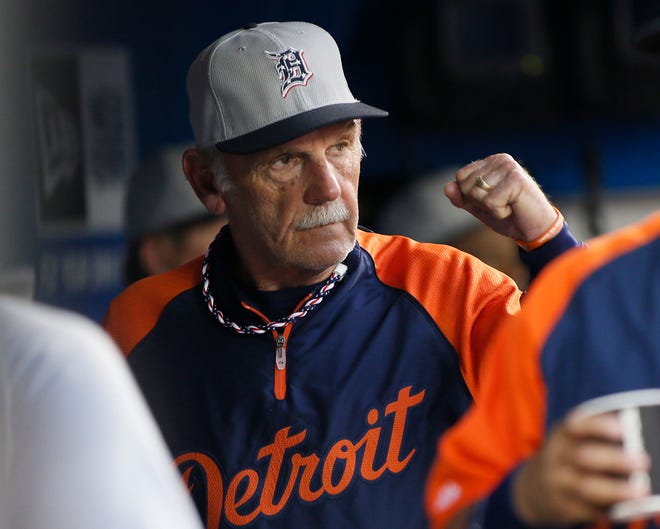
78	446
422	212
523	456
303	369
166	225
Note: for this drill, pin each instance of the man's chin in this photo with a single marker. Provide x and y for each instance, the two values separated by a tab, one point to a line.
326	253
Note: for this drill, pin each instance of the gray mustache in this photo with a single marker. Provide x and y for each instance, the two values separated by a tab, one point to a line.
326	214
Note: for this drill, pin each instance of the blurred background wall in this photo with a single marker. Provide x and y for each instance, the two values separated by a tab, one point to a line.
88	89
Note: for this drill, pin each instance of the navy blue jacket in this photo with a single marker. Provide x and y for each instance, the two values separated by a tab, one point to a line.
344	434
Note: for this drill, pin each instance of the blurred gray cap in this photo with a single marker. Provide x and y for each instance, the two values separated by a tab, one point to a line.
158	195
422	212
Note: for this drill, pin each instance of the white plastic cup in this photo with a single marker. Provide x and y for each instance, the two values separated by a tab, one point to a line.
639	412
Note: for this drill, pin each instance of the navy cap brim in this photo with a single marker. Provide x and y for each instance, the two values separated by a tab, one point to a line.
290	128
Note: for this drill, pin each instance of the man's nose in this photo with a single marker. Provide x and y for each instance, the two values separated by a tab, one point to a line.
322	182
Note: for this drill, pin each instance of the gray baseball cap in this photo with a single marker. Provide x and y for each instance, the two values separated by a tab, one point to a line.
266	84
158	195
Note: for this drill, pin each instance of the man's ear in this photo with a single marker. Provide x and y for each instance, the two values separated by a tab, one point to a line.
202	180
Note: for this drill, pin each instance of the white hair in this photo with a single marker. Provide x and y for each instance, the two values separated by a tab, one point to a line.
215	161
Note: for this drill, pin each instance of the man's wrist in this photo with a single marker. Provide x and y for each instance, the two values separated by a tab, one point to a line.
546	236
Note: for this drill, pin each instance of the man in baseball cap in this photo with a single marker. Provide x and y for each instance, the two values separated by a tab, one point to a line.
303	370
165	223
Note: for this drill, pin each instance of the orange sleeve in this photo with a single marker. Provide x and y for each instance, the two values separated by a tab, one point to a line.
507	423
135	311
503	427
465	297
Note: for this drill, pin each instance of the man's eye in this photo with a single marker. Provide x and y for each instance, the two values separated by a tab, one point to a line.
341	146
285	159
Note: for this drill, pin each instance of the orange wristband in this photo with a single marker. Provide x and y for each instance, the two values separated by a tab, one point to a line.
548	234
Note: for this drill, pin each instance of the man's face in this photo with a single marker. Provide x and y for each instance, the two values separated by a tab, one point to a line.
293	209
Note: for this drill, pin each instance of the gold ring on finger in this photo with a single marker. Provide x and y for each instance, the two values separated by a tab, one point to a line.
481	183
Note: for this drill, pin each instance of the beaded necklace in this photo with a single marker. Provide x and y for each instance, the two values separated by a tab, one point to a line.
317	297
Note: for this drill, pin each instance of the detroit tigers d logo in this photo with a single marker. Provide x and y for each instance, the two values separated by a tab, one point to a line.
291	68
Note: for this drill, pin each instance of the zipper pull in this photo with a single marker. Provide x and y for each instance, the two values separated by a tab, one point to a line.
340	270
280	352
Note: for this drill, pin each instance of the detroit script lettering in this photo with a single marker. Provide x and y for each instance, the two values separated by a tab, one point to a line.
334	473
